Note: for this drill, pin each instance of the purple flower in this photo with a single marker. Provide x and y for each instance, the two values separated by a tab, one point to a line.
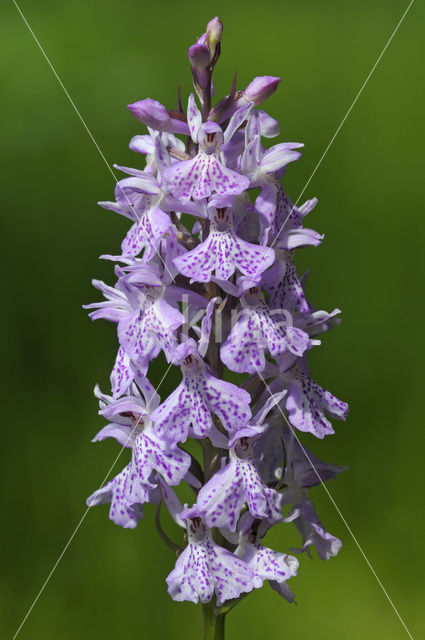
305	518
283	285
146	322
259	330
131	426
307	403
199	395
204	568
126	493
289	224
267	564
223	251
204	174
144	199
221	499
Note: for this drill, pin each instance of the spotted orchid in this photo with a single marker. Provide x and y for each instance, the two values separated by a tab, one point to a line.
207	290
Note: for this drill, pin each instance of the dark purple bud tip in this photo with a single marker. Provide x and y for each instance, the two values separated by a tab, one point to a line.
260	89
152	113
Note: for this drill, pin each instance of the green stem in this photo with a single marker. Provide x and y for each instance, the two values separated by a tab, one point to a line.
208	621
212	622
219	626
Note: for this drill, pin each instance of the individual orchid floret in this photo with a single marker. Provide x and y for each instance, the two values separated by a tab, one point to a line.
307	403
223	251
221	499
146	322
146	143
204	174
205	569
259	330
288	225
199	395
143	199
305	518
132	427
261	165
286	219
150	221
268	564
265	166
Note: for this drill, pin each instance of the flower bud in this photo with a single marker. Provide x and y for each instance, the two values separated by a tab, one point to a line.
152	113
260	89
199	56
213	34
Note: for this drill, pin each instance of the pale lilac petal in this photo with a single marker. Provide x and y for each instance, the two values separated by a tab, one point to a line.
121	433
191	405
306	404
201	176
153	454
268	564
206	326
237	119
221	499
194	118
126	494
229	402
122	374
203	569
142	144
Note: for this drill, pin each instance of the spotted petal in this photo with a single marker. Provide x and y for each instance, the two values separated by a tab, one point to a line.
268	564
153	454
127	494
205	568
306	404
221	499
199	177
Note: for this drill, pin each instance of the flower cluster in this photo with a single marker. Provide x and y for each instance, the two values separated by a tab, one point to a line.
207	276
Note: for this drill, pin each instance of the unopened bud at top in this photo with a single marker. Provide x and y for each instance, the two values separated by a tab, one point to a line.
213	35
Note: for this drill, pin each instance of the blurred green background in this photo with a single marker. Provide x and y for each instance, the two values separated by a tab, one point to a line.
110	582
